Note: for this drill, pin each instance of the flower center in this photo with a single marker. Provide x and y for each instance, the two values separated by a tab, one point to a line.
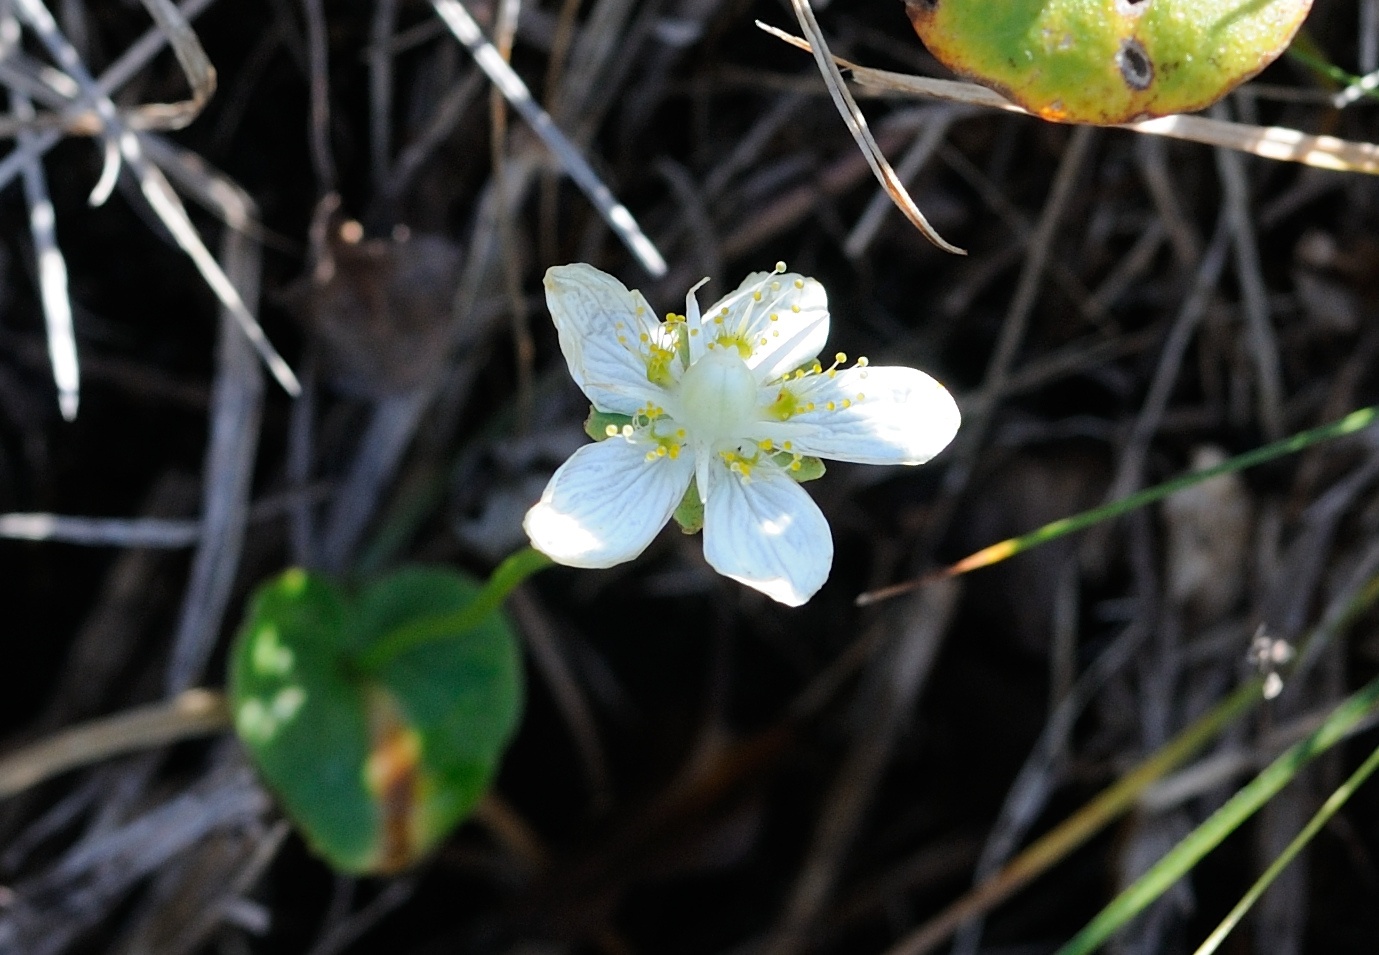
718	396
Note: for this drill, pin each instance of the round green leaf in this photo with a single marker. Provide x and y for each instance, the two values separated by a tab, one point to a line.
373	768
1108	61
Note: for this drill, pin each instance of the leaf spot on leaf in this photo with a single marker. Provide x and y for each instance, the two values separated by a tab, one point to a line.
1135	65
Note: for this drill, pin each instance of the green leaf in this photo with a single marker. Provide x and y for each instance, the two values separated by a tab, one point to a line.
374	768
1108	61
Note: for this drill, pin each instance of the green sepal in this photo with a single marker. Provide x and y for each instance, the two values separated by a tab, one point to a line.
810	469
689	514
596	425
374	768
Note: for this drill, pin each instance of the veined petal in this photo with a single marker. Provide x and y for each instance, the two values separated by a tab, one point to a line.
766	533
605	504
779	319
886	415
601	326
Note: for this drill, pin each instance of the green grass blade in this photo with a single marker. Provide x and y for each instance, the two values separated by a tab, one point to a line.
1351	423
1329	809
1223	822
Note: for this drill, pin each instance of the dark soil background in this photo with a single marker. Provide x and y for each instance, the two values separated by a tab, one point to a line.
698	769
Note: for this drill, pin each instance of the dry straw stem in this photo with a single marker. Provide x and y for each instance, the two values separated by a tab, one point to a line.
1270	142
857	124
172	27
193	713
457	17
123	142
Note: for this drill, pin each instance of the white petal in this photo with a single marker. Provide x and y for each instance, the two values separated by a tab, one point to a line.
694	322
601	324
892	415
795	336
605	504
766	533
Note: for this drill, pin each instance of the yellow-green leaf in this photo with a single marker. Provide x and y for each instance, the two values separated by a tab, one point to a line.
1108	61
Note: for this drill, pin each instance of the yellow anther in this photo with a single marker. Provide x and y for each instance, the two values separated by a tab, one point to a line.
831	406
627	431
861	397
780	266
799	283
840	357
775	317
809	406
756	296
794	308
622	339
775	286
795	464
862	362
764	340
724	312
674	452
847	402
765	444
680	432
645	338
611	430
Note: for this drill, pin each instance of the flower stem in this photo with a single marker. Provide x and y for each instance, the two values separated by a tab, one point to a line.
511	572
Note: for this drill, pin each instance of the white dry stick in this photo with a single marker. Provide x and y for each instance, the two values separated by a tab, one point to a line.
155	189
100	531
857	124
52	267
52	271
55	94
1272	142
486	55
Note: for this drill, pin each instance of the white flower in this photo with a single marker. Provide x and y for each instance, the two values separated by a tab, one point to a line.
734	401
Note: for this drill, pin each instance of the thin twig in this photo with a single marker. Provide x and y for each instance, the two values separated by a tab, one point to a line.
619	219
857	125
190	714
1271	142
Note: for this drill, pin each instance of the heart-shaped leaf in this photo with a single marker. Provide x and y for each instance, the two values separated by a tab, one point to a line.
1108	61
374	767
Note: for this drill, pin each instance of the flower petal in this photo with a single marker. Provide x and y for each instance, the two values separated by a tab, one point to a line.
887	415
766	533
604	505
794	336
601	324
